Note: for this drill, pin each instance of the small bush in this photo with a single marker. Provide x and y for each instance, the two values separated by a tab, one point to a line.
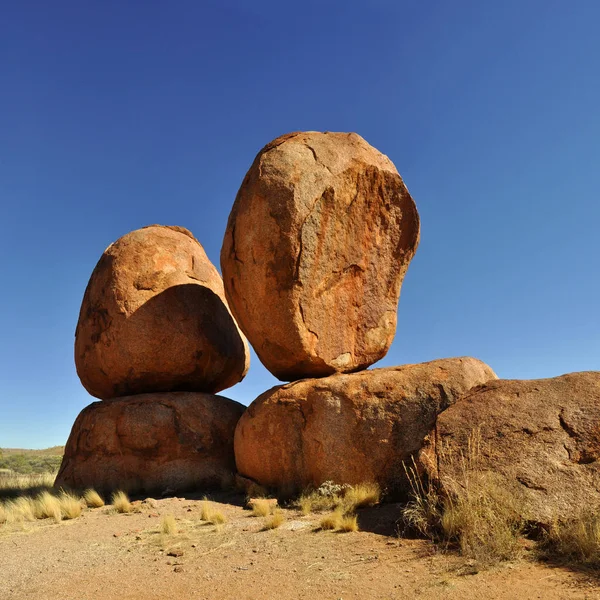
275	520
121	503
47	506
71	506
330	496
168	525
93	499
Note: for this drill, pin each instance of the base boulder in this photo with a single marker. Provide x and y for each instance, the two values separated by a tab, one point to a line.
538	438
349	428
152	443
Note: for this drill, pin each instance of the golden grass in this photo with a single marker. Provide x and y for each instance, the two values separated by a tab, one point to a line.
261	507
477	511
71	506
339	520
121	503
277	519
210	514
12	485
332	521
93	499
47	506
361	495
349	523
3	515
22	509
576	540
349	498
168	525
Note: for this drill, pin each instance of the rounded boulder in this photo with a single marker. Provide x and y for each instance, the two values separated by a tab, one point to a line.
154	319
349	428
317	244
152	443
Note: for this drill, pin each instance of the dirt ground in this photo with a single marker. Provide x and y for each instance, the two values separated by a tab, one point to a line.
103	556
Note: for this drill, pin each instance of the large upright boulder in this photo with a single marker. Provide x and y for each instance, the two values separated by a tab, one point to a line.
349	428
317	245
152	443
539	439
154	318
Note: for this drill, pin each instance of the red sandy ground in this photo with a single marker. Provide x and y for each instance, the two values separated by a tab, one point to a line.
104	556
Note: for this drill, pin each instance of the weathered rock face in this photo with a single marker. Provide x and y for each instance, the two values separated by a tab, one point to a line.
317	245
541	437
349	428
152	443
154	318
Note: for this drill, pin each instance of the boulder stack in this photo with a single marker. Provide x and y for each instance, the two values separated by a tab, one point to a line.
155	339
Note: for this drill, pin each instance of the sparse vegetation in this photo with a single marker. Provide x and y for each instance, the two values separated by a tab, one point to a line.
14	484
168	525
477	513
576	540
121	503
349	523
93	499
276	520
30	462
361	495
332	520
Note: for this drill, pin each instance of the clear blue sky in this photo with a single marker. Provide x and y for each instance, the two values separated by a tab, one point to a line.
115	115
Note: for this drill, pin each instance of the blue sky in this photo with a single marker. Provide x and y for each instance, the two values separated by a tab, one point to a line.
115	115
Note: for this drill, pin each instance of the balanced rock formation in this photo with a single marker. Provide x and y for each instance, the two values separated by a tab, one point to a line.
317	245
152	443
538	438
349	428
154	319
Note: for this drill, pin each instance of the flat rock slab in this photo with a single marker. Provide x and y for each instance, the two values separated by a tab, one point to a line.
349	428
152	443
318	242
540	437
154	319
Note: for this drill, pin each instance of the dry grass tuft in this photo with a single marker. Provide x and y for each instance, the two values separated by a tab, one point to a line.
121	503
168	525
47	506
478	512
93	499
210	514
261	507
21	509
330	497
3	515
576	540
361	495
277	519
71	506
332	521
349	523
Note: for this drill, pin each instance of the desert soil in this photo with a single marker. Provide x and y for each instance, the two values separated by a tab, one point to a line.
103	556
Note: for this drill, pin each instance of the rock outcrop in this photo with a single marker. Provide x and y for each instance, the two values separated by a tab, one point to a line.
317	245
152	443
540	438
154	318
349	428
